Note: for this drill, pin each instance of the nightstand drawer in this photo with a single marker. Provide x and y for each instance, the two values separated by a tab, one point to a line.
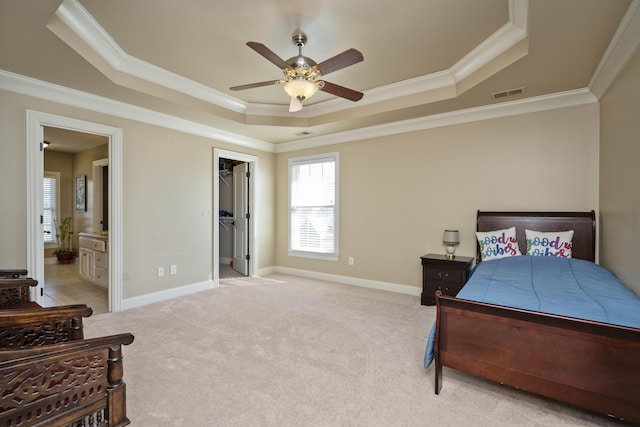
449	289
454	276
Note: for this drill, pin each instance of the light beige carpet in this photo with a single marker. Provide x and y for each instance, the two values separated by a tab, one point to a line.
289	351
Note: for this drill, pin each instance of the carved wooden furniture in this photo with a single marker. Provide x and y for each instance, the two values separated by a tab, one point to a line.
589	364
27	328
14	293
50	375
12	273
444	274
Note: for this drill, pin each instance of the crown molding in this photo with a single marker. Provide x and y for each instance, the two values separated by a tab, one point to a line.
72	16
496	44
74	25
59	94
623	46
495	111
63	95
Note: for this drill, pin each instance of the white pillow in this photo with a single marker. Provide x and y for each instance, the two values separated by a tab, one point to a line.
498	244
555	243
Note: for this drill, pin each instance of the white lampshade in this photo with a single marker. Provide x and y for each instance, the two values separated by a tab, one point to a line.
300	88
451	237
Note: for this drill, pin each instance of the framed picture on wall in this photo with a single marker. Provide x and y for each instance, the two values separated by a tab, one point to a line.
81	193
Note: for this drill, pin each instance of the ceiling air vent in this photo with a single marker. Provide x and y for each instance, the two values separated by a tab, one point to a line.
506	93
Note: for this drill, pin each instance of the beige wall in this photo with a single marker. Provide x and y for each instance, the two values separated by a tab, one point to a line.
167	197
398	193
13	184
620	175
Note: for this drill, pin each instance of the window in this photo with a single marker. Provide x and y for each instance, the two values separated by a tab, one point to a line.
313	206
50	202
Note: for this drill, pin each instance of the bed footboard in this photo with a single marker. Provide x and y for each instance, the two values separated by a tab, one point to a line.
75	383
588	364
32	327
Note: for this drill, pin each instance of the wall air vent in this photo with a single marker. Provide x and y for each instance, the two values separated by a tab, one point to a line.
507	93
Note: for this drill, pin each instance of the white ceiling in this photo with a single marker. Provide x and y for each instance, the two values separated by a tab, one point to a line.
421	57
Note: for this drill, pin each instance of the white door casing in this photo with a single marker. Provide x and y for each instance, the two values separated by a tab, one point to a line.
252	230
36	121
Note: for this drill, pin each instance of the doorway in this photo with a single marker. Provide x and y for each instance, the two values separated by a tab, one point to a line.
234	248
232	223
36	124
74	166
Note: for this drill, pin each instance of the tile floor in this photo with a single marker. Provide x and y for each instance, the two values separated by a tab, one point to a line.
63	285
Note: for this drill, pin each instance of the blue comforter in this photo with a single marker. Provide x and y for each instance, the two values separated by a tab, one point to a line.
569	287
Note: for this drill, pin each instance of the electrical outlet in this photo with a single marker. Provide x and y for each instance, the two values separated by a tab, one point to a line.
173	270
160	271
351	261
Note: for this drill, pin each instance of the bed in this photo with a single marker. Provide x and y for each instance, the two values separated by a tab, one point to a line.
593	364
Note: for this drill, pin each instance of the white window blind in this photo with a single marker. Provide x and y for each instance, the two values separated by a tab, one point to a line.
313	205
49	205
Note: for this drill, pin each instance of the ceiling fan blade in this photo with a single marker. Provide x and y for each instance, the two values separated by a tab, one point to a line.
340	61
252	85
342	91
268	54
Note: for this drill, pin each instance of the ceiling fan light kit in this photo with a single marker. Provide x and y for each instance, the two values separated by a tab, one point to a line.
302	73
301	89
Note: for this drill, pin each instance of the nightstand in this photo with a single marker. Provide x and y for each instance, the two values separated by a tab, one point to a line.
448	275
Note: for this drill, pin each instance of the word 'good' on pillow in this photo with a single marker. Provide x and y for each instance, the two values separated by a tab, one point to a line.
498	244
555	243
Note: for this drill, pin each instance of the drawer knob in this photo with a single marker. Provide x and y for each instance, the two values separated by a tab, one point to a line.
442	275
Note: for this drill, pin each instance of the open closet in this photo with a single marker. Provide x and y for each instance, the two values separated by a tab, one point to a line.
233	218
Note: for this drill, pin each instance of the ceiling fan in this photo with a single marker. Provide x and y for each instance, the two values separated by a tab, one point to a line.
302	73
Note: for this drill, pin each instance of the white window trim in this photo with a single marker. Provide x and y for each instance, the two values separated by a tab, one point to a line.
56	176
334	156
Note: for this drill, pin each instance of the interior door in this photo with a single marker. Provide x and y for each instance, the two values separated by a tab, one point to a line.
241	218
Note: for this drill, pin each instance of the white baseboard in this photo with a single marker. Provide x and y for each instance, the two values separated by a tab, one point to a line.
145	299
267	270
345	280
223	260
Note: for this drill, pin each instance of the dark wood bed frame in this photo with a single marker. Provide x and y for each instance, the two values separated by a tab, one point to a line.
589	364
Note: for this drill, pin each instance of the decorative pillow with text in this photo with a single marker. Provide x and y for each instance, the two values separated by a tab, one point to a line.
498	244
555	243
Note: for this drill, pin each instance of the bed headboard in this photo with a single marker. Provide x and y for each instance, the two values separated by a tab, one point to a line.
583	224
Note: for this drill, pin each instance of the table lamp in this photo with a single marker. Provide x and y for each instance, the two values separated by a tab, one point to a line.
451	239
